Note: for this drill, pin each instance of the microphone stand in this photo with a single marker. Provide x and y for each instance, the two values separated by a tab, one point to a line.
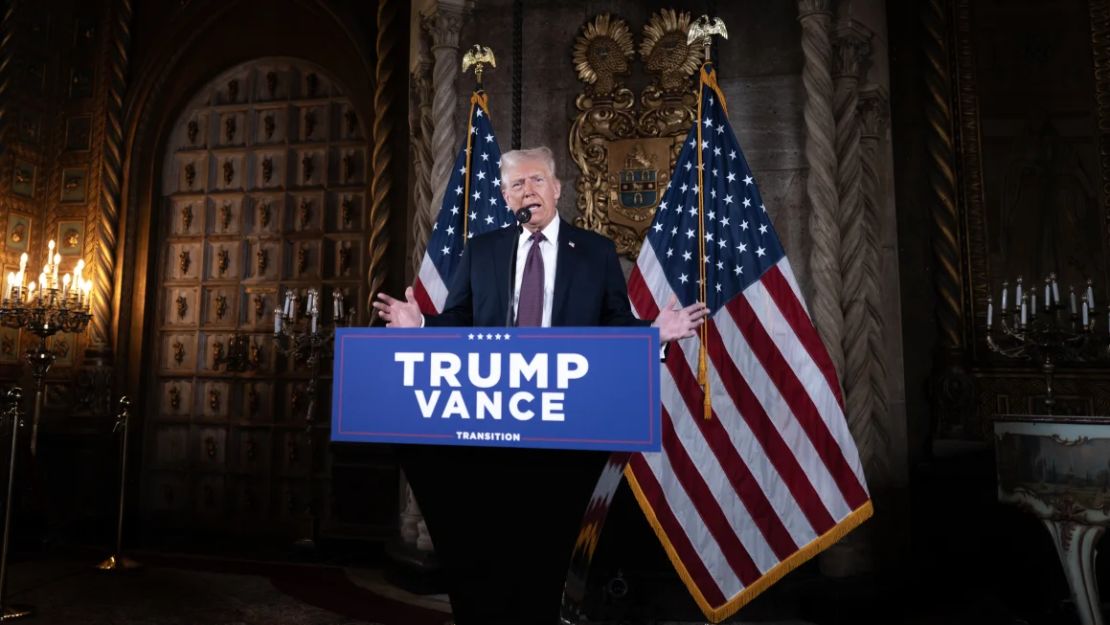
11	611
523	216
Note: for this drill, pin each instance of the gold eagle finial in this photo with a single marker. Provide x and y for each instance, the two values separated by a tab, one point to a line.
478	56
703	29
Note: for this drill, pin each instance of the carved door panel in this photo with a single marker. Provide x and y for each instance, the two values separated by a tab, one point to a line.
264	190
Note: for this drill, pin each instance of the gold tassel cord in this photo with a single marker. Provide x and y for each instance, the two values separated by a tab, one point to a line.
703	367
718	613
480	99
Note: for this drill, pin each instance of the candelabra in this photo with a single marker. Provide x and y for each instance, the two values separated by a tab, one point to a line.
54	306
1055	333
299	334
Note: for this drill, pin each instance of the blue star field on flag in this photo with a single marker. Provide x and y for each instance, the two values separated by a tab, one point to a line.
740	241
472	203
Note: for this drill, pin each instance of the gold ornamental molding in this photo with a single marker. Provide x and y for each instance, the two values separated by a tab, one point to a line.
1100	48
971	169
626	149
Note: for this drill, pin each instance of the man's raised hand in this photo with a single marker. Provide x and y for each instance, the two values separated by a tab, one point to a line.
679	323
397	313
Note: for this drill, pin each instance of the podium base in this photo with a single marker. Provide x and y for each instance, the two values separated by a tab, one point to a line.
504	524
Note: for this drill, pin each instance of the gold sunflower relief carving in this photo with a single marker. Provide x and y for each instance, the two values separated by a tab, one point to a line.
665	52
602	52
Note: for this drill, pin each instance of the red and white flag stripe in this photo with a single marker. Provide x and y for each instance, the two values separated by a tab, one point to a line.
774	476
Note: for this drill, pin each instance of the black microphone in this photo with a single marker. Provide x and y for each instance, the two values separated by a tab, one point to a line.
523	216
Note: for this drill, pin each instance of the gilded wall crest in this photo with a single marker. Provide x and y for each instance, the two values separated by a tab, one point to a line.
626	146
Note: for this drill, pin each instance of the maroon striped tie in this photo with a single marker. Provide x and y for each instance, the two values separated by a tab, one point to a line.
529	308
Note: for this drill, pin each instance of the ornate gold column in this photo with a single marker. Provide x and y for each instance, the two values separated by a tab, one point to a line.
111	174
951	385
381	157
7	29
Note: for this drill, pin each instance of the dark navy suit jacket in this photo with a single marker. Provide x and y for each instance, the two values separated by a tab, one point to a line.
589	286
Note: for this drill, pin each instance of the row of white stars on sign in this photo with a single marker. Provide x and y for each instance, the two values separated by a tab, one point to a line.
487	337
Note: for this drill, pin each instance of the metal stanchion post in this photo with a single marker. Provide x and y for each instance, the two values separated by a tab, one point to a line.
11	611
117	561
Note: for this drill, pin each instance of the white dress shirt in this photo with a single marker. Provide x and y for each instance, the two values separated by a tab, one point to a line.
549	250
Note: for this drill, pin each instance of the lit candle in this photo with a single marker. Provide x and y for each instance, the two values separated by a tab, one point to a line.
65	287
1005	287
22	262
1055	290
1090	295
57	261
88	290
314	317
1047	296
30	291
1018	294
1085	320
277	321
1022	313
990	312
47	268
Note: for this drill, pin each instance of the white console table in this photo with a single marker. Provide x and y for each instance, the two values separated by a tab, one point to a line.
1058	469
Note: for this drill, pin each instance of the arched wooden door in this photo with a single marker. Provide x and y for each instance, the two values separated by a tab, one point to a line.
264	189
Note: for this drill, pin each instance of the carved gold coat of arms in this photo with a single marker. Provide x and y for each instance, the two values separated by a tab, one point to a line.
626	147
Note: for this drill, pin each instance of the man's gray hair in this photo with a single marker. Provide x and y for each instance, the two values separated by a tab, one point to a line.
512	158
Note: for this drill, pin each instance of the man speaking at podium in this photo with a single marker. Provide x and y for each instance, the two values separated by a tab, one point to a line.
503	521
569	276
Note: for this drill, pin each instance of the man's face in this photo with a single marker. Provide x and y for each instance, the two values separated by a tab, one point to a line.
529	184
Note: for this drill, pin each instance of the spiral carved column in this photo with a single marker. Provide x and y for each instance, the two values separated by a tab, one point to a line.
874	442
381	156
7	30
111	174
420	135
858	243
942	178
951	385
444	26
821	189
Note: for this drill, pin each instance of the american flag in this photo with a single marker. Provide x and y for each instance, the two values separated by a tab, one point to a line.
771	477
472	204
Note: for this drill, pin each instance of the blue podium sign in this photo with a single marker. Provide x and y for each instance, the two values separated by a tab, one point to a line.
556	388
